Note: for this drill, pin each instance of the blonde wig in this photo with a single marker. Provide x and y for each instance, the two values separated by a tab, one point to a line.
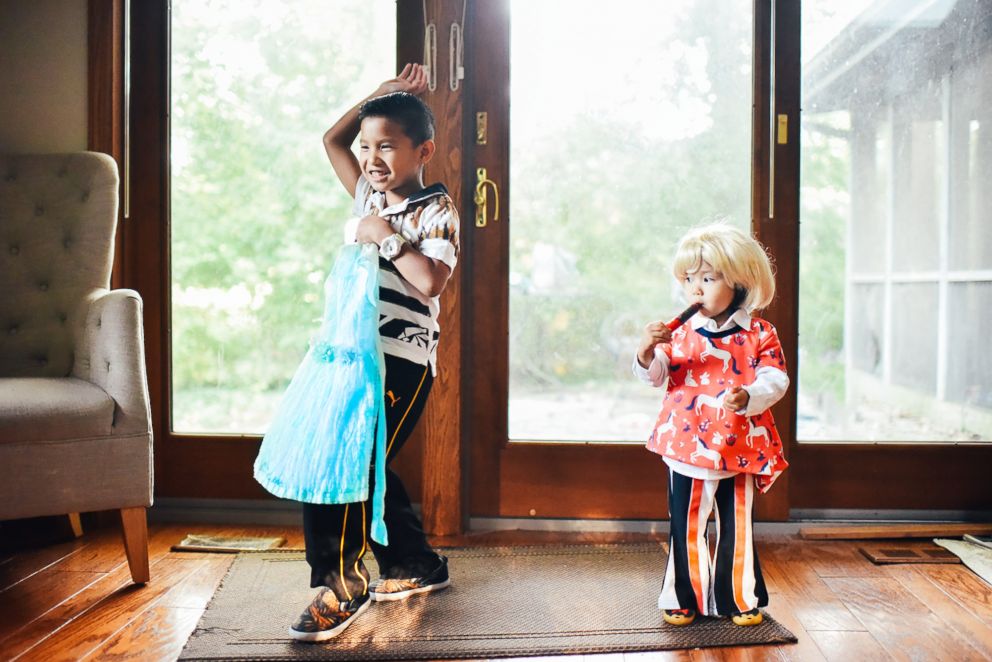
736	256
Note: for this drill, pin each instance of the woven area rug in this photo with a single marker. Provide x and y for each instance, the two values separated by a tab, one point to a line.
503	602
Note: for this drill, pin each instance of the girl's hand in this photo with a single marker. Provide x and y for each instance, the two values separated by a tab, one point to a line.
655	333
373	229
412	79
736	399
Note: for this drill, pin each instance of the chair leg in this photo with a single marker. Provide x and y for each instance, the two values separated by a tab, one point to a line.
76	525
135	528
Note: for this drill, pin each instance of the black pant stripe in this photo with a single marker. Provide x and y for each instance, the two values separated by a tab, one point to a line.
679	502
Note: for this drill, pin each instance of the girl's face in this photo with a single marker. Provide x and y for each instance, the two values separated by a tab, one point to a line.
707	286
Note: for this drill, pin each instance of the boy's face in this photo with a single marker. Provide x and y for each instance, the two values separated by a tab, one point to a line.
709	288
389	159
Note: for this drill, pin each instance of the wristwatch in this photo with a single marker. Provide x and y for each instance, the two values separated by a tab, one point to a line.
392	245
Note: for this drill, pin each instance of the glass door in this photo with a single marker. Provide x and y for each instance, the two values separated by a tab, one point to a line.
895	385
257	213
611	128
235	211
629	123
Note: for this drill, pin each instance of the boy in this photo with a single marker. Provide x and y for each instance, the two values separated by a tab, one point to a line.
416	229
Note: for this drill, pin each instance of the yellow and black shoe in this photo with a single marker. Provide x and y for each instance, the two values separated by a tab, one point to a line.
679	616
327	617
752	617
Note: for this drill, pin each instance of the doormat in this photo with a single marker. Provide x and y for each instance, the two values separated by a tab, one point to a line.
503	602
890	553
231	545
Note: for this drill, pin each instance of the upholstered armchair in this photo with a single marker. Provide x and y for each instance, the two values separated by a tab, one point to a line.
75	425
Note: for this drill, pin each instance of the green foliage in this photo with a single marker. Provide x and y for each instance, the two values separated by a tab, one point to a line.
257	213
620	197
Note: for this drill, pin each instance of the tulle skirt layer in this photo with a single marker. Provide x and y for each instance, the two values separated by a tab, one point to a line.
317	448
320	443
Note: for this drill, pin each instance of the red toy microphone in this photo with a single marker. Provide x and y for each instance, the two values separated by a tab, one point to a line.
684	316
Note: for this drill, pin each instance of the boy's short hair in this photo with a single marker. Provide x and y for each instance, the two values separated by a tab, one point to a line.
412	114
736	255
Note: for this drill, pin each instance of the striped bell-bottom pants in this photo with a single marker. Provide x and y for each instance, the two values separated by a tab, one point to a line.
729	580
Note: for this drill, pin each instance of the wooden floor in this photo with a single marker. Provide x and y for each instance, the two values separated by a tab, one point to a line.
74	600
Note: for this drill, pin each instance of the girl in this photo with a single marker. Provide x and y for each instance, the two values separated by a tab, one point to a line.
723	370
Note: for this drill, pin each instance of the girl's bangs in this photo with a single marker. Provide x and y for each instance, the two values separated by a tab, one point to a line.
688	259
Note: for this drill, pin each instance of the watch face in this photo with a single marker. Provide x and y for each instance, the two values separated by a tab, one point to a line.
390	247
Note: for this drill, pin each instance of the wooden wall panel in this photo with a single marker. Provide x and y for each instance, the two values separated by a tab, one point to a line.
105	85
486	388
778	228
443	470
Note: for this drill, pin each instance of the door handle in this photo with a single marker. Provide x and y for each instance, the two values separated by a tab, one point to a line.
480	198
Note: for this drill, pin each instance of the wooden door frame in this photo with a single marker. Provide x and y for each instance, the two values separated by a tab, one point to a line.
220	466
775	203
442	467
533	479
486	59
846	475
548	480
617	482
105	104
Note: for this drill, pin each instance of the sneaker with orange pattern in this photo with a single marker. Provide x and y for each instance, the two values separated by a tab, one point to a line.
327	617
390	590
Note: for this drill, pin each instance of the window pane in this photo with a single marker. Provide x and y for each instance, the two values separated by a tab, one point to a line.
969	380
919	172
971	195
630	122
867	330
895	254
256	210
913	343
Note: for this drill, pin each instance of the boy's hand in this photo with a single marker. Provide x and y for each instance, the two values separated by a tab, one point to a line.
412	79
736	399
654	334
373	229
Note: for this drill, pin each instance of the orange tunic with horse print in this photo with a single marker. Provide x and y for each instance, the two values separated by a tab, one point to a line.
693	427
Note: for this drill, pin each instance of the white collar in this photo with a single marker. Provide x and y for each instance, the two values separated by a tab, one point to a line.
417	196
739	317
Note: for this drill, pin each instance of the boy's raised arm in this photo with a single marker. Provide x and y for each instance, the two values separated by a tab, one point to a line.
337	144
339	138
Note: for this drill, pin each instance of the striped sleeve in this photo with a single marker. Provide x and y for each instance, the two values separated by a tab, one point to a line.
439	237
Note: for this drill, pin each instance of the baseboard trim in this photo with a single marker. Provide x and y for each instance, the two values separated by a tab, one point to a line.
288	513
226	511
840	515
604	525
